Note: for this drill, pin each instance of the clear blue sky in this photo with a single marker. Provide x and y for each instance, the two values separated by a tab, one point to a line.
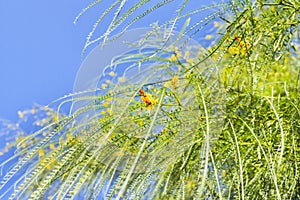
40	50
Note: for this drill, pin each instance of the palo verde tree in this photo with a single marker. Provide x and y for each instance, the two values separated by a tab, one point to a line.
173	113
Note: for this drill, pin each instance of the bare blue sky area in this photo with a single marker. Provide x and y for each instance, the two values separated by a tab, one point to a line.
40	52
40	49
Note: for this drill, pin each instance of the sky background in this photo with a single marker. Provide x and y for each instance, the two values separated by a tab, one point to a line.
40	49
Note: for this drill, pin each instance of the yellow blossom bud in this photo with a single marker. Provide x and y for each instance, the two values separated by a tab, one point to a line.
233	50
173	58
106	104
41	152
223	173
69	136
112	73
103	85
55	118
51	146
208	37
243	51
103	112
121	79
21	114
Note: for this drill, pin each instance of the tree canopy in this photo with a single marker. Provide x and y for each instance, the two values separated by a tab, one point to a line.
191	108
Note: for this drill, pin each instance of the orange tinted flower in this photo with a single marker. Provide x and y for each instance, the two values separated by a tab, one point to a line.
147	99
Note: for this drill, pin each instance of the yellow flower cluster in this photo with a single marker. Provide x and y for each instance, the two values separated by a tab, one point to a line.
147	99
105	112
41	152
172	83
208	37
176	55
121	79
239	48
20	114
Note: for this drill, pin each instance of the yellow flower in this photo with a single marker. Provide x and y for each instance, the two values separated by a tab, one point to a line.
103	112
110	92
233	50
223	173
103	85
112	73
21	115
190	184
61	142
243	51
51	146
216	24
173	58
173	48
178	54
141	122
55	118
23	145
208	37
41	152
108	111
69	136
172	82
242	43
107	81
106	104
272	8
147	99
121	79
175	79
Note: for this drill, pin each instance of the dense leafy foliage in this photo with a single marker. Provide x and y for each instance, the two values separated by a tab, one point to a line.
173	120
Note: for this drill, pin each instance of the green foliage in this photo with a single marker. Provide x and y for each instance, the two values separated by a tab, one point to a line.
172	125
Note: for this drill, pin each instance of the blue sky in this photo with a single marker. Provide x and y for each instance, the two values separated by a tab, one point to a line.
40	50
